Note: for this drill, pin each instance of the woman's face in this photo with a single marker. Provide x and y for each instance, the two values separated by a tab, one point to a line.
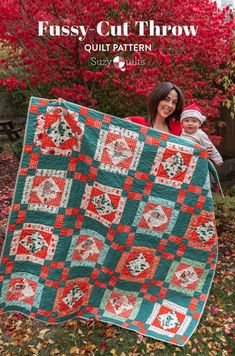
167	105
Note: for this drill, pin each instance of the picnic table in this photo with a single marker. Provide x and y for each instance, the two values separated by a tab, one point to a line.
7	128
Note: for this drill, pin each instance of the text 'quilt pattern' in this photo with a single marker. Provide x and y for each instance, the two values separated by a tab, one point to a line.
110	220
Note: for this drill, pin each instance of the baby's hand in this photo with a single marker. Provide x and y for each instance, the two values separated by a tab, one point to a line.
209	150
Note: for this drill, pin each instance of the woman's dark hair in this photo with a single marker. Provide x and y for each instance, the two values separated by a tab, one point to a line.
159	93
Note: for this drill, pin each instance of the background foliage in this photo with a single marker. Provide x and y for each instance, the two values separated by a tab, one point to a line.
60	67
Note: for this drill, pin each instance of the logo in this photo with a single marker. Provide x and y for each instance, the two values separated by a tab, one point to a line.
119	63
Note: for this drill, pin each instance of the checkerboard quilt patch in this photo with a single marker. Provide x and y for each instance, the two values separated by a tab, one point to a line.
110	220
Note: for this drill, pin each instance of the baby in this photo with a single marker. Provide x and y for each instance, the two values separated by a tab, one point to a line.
191	120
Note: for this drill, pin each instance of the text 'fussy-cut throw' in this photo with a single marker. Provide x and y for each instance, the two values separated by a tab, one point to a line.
110	220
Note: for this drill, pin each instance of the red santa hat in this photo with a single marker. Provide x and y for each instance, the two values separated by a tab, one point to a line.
192	111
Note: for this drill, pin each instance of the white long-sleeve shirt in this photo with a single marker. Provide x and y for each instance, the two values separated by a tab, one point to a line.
201	137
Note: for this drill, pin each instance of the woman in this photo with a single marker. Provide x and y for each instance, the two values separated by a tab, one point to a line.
165	105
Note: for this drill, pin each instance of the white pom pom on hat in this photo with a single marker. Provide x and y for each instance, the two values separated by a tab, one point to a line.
192	111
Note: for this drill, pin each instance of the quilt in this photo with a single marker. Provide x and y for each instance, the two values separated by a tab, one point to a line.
110	220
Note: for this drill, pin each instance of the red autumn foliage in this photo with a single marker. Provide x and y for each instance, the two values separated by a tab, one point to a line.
58	66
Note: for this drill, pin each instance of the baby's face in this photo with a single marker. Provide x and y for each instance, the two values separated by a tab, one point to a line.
191	125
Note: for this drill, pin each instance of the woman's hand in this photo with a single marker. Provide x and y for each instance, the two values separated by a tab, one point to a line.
59	100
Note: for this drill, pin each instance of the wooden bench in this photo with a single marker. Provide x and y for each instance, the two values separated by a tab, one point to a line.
7	128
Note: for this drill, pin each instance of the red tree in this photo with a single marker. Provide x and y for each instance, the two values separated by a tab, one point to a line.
59	66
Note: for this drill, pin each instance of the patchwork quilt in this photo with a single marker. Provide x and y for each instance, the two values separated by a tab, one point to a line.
110	220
